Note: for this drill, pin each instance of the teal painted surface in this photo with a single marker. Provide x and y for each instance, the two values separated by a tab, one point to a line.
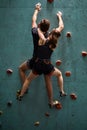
16	47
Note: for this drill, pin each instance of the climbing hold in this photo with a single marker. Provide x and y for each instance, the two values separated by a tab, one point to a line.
9	71
84	53
59	105
73	96
68	73
37	123
47	114
68	34
58	62
54	104
50	1
1	112
9	103
38	4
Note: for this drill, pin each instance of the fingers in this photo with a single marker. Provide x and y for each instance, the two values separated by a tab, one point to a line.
59	13
38	6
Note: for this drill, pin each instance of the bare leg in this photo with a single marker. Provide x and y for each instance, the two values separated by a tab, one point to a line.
22	69
59	76
27	82
49	88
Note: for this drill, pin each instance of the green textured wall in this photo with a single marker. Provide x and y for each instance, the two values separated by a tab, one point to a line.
16	47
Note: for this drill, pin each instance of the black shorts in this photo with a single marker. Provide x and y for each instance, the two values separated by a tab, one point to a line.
30	63
41	67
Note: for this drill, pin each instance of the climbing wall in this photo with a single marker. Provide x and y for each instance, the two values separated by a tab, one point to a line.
16	47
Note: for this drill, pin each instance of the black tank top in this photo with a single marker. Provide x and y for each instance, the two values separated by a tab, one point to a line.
36	39
44	52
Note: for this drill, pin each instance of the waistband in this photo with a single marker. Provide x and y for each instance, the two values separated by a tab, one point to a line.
46	61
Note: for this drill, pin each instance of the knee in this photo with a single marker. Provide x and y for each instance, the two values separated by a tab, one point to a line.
21	69
29	78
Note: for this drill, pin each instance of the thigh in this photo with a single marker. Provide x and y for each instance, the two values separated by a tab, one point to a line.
24	66
56	72
48	81
32	76
47	77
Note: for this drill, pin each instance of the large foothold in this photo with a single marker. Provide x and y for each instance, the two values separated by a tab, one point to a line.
68	34
37	123
73	96
59	105
68	73
58	62
50	1
9	71
84	53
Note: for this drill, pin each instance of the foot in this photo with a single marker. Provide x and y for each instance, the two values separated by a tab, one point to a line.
19	91
26	91
19	98
63	94
18	95
53	104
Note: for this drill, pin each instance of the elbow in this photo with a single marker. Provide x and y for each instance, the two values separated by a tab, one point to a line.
62	27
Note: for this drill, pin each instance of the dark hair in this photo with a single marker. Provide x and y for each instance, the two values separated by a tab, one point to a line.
44	25
55	33
53	38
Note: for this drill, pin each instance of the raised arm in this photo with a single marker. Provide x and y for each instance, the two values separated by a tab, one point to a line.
41	35
34	17
61	24
42	38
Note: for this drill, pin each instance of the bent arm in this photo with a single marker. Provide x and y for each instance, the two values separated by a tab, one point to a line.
42	38
41	35
61	24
